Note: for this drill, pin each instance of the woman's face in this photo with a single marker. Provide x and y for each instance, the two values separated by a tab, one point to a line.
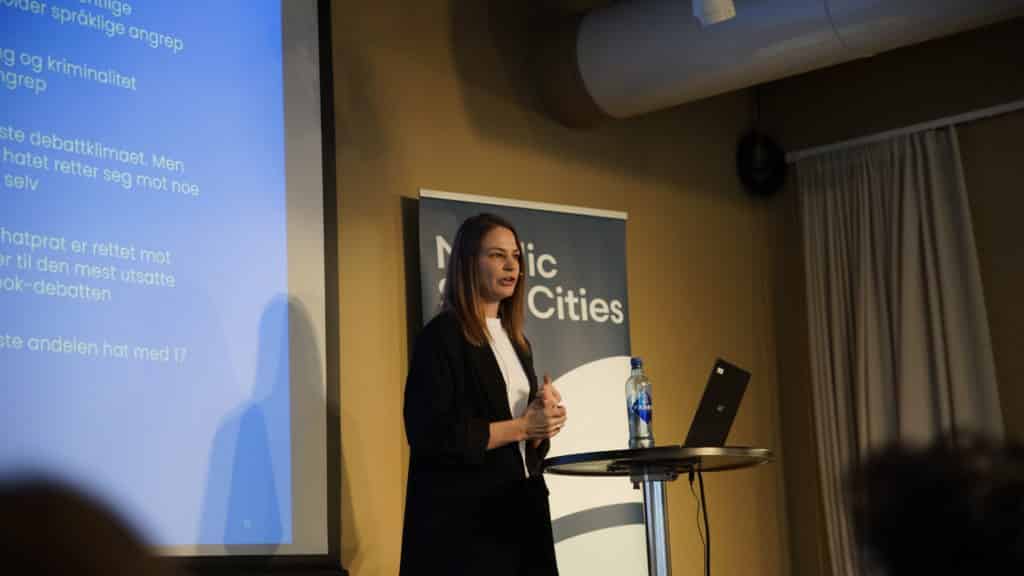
498	265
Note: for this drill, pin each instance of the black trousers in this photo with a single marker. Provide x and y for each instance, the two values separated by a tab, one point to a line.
513	535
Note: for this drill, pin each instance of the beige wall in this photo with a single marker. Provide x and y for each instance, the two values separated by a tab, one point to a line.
916	84
804	509
992	151
435	94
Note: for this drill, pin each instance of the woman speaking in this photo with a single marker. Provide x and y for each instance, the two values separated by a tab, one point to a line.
477	425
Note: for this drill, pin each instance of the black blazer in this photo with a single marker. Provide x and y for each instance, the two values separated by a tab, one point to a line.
467	507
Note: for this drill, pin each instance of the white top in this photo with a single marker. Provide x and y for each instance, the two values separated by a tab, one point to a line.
516	385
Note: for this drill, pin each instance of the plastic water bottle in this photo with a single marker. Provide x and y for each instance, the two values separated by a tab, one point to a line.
638	406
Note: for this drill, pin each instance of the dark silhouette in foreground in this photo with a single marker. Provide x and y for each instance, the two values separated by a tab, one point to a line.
951	508
47	528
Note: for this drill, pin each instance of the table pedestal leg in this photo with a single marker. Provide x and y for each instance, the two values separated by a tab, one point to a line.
656	524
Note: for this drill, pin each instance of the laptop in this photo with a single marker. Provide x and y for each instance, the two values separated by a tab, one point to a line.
718	406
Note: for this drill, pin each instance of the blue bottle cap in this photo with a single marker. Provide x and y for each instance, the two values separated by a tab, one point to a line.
636	362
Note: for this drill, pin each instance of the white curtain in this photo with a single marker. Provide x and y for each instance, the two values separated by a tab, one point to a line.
899	339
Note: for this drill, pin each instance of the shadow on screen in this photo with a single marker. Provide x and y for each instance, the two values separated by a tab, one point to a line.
242	509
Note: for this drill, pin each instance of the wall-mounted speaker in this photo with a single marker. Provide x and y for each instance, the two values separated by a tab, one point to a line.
760	164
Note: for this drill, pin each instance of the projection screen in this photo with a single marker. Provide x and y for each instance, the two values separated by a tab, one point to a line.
162	266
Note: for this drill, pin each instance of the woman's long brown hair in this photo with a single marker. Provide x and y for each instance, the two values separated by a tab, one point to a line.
462	284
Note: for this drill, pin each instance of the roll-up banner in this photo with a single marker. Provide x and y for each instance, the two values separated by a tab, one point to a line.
577	321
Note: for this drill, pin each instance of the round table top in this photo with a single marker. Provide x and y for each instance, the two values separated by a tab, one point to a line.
679	459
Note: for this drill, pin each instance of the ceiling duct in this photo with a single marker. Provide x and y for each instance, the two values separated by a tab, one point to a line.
633	57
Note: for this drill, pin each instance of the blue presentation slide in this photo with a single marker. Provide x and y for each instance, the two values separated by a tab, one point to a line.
143	261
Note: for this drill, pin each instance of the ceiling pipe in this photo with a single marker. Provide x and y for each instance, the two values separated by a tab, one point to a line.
629	58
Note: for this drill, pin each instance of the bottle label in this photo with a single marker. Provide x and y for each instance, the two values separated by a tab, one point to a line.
642	407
